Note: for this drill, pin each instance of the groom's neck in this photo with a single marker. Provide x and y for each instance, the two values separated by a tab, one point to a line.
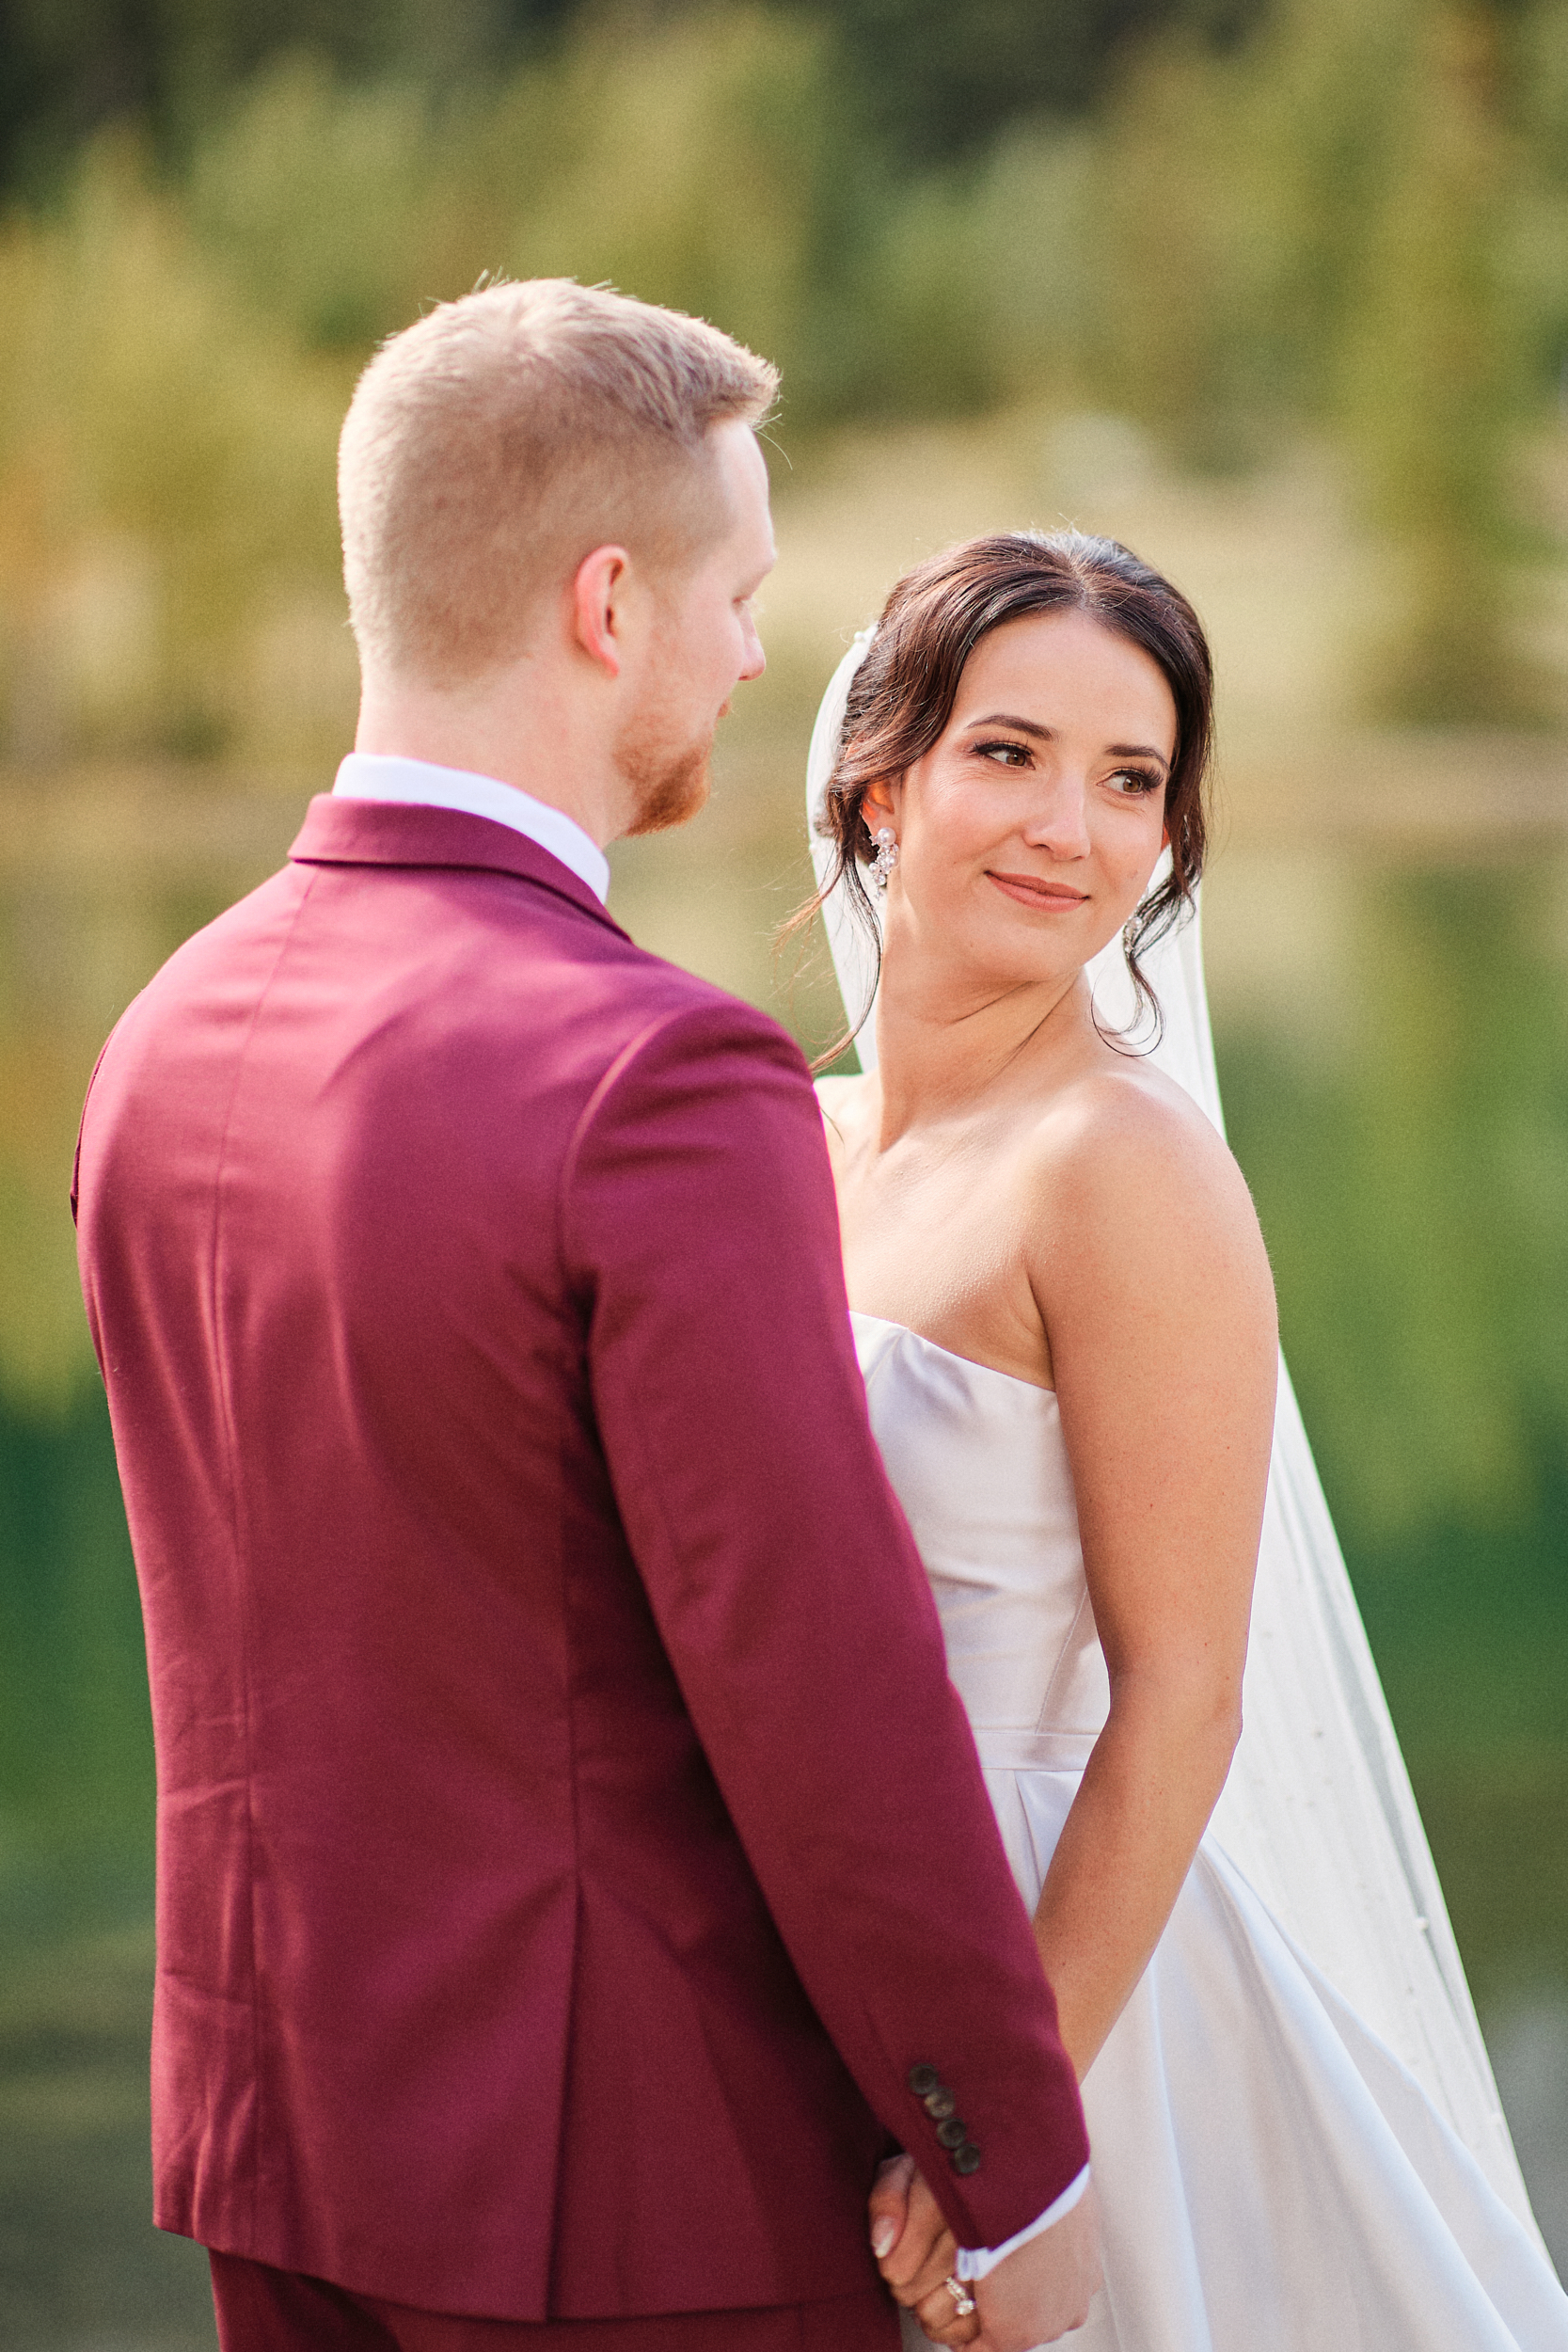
529	726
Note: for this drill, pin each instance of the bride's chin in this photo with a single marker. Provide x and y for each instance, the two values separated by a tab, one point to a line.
989	960
1045	950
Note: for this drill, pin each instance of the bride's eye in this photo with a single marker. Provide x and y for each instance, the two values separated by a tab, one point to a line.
1133	783
1004	754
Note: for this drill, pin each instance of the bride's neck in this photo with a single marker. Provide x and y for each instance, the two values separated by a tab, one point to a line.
943	1049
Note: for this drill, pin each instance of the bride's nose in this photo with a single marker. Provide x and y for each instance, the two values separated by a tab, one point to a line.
1059	819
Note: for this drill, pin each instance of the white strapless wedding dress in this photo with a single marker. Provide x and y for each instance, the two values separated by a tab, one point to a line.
1271	2177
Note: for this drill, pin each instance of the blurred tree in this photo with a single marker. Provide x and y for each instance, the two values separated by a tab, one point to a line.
1431	387
1535	77
941	81
936	80
1315	231
709	163
1328	226
714	163
70	67
1228	210
165	478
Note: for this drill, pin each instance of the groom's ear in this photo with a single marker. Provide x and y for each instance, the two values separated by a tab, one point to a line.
598	591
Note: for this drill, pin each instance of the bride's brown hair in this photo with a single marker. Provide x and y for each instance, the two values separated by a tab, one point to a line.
902	695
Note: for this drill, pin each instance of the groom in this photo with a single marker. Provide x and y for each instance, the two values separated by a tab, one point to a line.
574	1869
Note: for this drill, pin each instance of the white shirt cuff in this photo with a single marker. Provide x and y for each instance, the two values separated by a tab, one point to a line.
979	2262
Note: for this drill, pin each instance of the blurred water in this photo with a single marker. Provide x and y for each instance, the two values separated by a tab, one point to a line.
1529	2042
81	2268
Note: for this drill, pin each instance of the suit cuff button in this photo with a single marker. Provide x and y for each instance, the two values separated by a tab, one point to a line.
924	2080
967	2158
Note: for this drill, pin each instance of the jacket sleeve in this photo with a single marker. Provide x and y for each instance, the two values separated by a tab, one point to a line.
699	1229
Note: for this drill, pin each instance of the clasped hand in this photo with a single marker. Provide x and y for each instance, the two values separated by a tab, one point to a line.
1036	2296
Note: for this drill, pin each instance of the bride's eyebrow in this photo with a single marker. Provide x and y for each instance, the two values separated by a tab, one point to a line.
1138	751
1025	726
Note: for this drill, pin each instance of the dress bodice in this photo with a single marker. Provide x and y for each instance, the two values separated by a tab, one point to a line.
978	1461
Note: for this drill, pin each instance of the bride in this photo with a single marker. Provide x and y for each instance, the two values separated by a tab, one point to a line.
1065	1318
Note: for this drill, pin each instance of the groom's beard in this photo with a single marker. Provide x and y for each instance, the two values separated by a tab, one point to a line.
668	784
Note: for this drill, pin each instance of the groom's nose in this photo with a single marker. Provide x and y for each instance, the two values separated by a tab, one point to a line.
753	660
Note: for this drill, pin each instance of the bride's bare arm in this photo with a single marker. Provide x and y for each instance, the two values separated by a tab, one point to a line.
1151	1275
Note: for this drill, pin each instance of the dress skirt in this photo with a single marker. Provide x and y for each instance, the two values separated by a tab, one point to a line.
1268	2175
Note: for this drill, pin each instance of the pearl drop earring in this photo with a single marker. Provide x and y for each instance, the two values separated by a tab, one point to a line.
886	857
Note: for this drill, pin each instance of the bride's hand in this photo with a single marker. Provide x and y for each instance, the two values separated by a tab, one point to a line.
915	2252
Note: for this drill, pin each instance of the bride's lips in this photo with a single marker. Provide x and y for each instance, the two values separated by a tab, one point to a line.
1052	897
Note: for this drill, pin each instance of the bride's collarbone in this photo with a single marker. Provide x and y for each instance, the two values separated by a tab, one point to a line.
956	1231
947	1228
955	1177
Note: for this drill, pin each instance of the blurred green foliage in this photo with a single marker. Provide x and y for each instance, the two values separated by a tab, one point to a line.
164	473
1309	218
68	70
936	80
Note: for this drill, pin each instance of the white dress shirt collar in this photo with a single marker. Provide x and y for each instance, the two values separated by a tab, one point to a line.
385	776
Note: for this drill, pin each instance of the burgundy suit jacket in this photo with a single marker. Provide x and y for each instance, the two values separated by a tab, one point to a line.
569	1841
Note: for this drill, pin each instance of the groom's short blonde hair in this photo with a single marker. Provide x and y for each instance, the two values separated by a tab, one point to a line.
491	446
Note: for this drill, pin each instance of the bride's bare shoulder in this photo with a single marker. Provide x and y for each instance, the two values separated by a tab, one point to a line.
1124	1105
1124	1154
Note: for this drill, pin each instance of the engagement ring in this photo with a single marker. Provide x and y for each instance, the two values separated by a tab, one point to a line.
963	2303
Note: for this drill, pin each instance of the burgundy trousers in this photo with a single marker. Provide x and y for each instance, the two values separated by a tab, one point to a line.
263	2310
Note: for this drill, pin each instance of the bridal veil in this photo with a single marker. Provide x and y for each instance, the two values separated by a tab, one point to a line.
1318	1811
